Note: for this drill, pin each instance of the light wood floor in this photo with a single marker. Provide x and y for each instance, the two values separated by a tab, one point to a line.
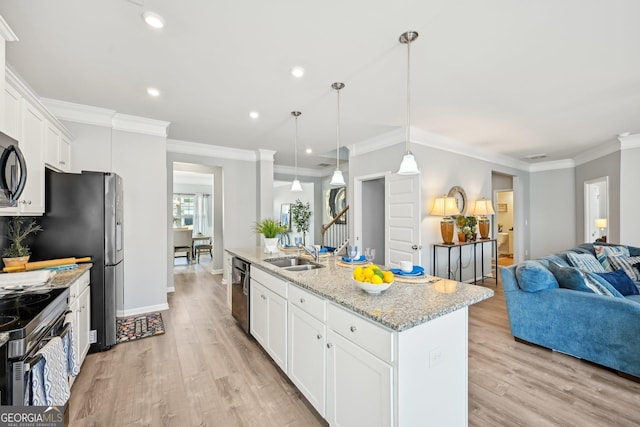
205	372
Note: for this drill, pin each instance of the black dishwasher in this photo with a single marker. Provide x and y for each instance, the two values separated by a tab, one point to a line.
240	292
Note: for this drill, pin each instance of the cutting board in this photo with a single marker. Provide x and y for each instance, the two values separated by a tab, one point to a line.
37	265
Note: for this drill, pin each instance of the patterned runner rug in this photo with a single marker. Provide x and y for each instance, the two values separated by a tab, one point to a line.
140	326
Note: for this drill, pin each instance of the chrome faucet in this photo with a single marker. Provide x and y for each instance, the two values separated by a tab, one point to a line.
313	252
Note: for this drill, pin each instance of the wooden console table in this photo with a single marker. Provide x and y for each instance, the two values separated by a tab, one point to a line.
459	245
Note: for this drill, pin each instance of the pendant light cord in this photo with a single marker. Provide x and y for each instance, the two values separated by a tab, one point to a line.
338	131
408	94
295	148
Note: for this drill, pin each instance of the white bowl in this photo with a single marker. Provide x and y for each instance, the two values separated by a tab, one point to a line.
372	289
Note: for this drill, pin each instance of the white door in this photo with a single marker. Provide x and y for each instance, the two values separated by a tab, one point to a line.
402	213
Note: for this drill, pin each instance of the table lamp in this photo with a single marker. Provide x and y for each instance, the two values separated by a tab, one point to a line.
445	207
601	223
482	208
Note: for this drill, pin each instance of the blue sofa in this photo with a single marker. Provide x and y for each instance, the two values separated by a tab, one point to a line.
599	328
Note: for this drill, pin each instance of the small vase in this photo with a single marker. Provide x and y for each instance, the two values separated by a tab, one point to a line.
462	237
16	262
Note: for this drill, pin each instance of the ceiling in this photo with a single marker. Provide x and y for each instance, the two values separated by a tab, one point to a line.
512	77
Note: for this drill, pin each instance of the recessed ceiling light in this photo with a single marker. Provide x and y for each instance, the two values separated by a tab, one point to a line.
309	151
153	19
536	156
254	114
152	91
297	71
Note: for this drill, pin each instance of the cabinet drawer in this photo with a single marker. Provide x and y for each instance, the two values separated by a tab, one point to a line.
373	338
270	282
75	289
311	303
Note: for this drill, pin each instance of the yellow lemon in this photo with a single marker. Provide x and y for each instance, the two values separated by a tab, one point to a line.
368	272
387	276
357	271
359	277
376	280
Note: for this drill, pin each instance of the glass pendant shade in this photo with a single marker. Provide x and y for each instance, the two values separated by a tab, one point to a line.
337	178
296	186
408	165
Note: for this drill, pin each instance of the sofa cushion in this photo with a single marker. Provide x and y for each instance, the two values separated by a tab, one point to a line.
603	251
621	281
559	259
569	278
626	264
585	262
634	298
600	286
533	277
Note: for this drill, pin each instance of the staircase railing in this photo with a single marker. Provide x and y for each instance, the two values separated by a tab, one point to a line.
336	232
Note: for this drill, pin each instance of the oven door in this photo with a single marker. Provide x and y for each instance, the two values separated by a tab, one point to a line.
13	171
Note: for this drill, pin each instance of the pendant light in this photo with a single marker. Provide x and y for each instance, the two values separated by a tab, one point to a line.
295	185
408	165
337	178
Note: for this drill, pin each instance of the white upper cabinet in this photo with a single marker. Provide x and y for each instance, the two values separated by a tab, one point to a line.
57	148
32	146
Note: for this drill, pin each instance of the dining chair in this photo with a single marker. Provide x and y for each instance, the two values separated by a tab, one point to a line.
204	248
182	243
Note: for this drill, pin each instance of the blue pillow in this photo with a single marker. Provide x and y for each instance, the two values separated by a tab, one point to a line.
569	278
533	277
621	281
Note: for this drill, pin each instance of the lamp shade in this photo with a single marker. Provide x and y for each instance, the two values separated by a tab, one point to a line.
295	185
601	222
337	178
445	206
482	207
408	165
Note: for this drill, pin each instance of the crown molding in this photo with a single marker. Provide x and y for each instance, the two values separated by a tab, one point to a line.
598	152
552	165
290	170
79	113
6	32
266	154
199	149
377	142
629	142
135	124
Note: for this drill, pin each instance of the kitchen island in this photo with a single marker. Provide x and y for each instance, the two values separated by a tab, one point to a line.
394	359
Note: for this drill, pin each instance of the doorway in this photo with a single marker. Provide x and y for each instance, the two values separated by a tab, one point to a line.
596	209
373	223
504	223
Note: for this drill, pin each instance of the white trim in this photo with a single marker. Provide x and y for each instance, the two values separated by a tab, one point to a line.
629	142
266	154
552	165
290	170
597	152
377	142
6	32
79	113
171	289
218	271
135	124
196	148
142	310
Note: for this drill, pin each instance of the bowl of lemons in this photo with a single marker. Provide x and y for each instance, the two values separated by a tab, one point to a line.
372	279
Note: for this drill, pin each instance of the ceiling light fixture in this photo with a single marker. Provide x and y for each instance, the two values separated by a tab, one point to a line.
408	165
337	178
254	114
295	185
309	151
153	20
152	91
297	71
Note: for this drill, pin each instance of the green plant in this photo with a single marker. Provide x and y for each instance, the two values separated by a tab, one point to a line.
269	227
467	225
300	216
18	229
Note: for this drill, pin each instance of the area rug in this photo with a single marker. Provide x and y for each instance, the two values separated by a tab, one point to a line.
141	326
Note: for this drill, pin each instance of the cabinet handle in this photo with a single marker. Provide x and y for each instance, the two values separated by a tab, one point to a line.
319	336
329	345
263	297
302	300
25	202
62	162
353	329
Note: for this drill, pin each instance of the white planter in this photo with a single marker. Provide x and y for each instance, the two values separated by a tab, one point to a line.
270	245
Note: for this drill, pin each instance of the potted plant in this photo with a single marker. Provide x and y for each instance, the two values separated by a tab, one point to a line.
300	218
270	228
467	228
18	229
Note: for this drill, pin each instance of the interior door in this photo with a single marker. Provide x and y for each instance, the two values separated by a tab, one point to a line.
402	214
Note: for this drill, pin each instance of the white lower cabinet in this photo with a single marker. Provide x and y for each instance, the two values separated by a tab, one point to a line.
307	356
268	322
80	307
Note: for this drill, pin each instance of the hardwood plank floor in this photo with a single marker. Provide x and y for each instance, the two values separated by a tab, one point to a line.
205	372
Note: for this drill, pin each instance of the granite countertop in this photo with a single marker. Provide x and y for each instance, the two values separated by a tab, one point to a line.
64	278
402	306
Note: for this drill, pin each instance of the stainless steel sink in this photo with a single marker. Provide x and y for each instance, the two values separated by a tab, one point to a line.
294	263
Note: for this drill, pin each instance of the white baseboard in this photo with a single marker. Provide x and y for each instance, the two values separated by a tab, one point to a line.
218	271
171	289
142	310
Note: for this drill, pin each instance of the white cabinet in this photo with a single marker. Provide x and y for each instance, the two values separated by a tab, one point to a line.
12	112
268	318
80	307
32	146
307	347
57	149
359	384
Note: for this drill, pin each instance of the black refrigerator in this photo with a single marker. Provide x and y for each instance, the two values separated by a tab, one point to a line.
84	217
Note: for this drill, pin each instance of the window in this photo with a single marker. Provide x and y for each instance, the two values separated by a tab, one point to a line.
183	209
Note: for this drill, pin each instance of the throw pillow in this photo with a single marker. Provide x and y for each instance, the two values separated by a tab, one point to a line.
600	286
602	252
621	281
625	264
569	277
585	262
533	277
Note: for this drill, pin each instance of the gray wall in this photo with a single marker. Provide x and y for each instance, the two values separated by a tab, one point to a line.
318	202
629	200
373	205
552	212
608	165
